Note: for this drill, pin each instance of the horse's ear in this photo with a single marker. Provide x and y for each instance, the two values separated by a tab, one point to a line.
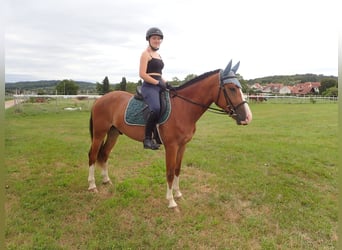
236	67
228	68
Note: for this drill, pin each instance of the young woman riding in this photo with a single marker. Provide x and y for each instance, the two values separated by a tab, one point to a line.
150	70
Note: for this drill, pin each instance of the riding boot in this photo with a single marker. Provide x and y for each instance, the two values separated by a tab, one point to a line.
150	124
150	144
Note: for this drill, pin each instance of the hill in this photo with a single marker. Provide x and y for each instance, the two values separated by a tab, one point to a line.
290	79
46	86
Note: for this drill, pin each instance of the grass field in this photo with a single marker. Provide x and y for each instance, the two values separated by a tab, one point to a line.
269	185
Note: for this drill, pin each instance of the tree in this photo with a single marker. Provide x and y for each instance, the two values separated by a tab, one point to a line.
131	87
123	84
243	82
189	77
333	91
99	88
327	83
175	81
67	87
105	87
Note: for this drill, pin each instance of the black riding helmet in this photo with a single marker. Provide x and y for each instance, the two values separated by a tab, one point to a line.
154	32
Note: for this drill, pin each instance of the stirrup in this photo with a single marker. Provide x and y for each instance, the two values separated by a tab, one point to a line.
149	144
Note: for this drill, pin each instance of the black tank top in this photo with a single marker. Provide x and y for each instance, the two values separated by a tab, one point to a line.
155	65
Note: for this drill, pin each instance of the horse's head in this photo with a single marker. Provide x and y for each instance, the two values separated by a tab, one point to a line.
232	100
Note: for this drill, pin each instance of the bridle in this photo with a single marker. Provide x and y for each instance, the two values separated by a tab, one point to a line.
230	109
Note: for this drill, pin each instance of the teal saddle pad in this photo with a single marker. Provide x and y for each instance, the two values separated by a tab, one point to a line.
134	113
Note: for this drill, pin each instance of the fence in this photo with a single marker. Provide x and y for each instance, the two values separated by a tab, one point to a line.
57	103
53	102
291	99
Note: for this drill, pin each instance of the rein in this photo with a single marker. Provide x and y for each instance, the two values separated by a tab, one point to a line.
231	109
210	109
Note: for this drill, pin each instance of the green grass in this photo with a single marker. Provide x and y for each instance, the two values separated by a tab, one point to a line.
269	185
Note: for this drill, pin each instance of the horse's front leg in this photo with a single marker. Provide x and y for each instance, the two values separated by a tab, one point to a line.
171	155
104	173
175	187
175	184
169	197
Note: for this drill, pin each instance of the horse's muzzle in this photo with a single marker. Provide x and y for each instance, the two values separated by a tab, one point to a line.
243	115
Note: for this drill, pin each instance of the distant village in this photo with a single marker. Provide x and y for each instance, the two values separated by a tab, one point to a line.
307	88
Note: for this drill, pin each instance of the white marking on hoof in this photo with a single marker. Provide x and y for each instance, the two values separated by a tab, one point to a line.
169	197
175	187
104	173
172	203
178	194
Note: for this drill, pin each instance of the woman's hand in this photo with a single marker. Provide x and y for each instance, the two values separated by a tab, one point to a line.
162	85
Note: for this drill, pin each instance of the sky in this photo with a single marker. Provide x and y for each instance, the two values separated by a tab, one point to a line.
87	40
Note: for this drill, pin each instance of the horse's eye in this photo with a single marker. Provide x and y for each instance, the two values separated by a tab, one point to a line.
232	89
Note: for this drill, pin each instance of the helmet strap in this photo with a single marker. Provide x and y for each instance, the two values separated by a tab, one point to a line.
154	49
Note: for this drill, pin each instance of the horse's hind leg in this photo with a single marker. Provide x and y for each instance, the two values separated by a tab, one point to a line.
104	152
96	144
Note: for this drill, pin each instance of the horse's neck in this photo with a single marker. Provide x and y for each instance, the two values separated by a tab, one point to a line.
203	93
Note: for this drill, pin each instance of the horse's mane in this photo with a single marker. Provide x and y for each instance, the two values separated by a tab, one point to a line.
196	79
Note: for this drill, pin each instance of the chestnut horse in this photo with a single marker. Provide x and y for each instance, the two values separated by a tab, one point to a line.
188	102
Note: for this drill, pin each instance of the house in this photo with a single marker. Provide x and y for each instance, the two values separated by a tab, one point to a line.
272	88
257	87
306	88
285	90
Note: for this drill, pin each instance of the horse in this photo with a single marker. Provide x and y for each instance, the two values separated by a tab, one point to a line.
188	101
257	98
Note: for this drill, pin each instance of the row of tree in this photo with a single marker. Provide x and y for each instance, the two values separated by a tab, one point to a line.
329	85
105	87
289	79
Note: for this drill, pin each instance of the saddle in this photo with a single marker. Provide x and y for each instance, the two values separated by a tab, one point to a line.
137	111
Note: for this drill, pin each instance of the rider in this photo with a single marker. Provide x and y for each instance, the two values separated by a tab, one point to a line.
150	71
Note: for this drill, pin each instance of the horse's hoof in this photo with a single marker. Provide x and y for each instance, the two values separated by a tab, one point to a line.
109	182
93	190
172	203
179	197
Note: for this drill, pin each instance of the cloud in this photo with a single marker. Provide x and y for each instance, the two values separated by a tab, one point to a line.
88	40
